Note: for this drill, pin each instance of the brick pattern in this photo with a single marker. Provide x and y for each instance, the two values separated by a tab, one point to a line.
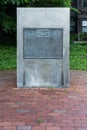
38	128
43	108
68	128
23	127
8	128
53	128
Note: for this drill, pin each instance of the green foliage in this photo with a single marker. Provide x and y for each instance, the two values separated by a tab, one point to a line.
18	2
7	57
8	24
8	14
8	10
73	38
40	120
7	54
75	10
83	36
78	56
50	3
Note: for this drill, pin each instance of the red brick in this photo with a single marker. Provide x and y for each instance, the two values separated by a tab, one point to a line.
68	128
53	128
81	128
46	124
42	103
5	123
38	128
11	123
17	123
9	128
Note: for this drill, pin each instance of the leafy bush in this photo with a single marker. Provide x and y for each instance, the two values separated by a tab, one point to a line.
83	36
8	10
73	37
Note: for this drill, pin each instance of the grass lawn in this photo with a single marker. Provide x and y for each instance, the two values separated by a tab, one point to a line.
7	54
78	56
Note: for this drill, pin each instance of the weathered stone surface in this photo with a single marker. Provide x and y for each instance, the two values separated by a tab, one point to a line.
43	70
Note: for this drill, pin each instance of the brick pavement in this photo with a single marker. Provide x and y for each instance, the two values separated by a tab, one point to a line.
41	108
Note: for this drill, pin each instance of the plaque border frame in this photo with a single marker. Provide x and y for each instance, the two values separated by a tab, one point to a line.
42	57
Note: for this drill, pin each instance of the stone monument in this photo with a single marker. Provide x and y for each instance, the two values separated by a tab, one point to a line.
43	47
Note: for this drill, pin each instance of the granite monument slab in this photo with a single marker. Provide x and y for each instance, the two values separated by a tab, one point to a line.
43	47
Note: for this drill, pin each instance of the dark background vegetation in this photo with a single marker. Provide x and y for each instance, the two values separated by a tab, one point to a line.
8	12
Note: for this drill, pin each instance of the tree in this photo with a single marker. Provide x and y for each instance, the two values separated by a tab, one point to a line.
50	3
8	10
8	15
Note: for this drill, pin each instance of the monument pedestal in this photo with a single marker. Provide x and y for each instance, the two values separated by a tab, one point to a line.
43	47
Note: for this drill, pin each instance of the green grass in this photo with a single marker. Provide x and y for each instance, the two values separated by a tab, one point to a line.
78	55
7	54
40	120
7	57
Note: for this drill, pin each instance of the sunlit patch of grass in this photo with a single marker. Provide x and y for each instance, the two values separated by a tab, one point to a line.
78	56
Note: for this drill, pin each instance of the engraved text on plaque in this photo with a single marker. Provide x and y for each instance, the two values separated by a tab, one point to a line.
43	43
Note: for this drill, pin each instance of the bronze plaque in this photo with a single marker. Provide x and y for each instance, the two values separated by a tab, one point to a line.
43	43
